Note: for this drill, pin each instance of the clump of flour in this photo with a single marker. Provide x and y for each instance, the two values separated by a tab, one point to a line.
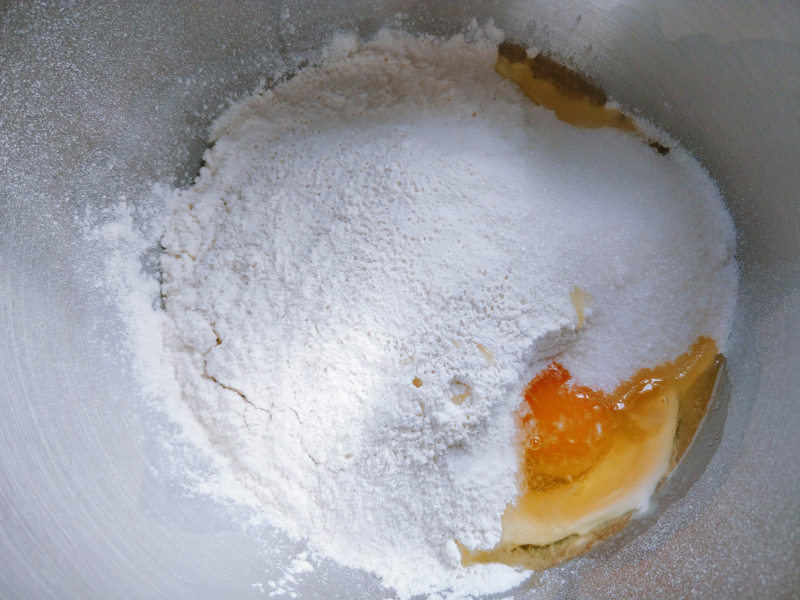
376	256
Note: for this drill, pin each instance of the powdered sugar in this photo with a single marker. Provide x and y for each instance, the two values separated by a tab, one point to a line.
376	256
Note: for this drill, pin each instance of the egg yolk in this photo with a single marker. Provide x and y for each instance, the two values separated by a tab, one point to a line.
566	428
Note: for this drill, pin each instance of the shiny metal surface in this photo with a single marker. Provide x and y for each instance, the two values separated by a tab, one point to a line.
99	101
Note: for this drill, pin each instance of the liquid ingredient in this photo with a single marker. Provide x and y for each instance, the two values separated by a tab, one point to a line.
590	458
547	83
574	98
580	302
566	428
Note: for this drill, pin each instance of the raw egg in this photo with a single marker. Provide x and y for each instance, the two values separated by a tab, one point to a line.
590	459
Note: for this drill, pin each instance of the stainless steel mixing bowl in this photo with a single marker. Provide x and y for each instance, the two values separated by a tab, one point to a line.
100	100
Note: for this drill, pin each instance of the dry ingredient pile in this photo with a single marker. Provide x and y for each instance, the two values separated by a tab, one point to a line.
377	256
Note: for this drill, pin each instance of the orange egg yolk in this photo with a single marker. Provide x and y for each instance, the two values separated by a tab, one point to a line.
565	427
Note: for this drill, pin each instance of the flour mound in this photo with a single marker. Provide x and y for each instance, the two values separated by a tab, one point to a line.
376	256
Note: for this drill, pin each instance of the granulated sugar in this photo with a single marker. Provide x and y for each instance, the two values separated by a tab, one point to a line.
375	258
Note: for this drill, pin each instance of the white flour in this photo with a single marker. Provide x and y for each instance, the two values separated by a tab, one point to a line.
376	257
